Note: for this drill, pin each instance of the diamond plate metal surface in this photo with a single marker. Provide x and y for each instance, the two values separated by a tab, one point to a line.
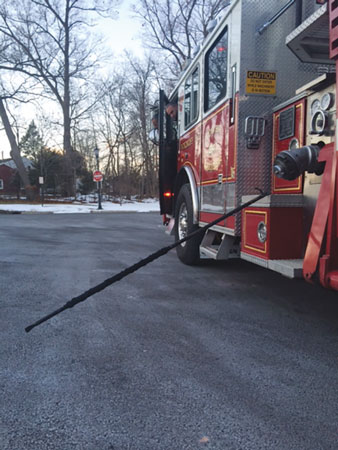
265	52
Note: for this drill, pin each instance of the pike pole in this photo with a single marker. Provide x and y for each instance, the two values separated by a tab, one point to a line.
133	268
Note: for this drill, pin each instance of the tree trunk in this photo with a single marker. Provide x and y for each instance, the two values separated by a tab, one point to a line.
15	152
67	142
67	145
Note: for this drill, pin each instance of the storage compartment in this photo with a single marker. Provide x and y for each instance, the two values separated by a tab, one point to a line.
273	233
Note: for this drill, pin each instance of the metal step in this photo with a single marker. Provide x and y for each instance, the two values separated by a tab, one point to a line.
209	252
291	268
224	249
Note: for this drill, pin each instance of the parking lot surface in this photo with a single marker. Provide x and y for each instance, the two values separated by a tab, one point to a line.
223	356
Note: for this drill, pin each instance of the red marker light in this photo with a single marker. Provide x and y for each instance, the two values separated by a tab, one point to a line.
167	194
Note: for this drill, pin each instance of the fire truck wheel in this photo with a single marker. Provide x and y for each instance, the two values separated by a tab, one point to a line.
188	252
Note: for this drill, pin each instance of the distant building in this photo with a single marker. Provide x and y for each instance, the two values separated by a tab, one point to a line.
9	176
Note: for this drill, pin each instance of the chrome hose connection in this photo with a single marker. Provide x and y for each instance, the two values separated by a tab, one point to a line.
290	164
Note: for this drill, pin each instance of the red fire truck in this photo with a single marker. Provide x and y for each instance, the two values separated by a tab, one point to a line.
257	110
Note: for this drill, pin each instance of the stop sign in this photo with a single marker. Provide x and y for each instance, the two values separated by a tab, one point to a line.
97	176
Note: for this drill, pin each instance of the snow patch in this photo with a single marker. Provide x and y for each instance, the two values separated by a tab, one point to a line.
147	205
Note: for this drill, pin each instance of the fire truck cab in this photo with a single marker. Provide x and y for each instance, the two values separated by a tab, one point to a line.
257	110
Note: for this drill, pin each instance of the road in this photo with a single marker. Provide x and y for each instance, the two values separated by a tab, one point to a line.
224	356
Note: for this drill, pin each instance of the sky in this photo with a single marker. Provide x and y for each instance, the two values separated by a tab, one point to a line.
120	35
123	33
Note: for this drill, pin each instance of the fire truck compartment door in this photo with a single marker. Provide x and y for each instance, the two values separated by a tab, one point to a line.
167	158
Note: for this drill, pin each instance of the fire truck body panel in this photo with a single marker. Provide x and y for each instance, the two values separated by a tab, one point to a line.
244	100
212	146
265	53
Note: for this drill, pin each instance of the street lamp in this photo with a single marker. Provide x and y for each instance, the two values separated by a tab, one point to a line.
96	153
41	177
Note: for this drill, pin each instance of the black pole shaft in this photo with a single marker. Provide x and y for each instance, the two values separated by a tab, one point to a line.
276	16
99	194
299	12
82	297
99	205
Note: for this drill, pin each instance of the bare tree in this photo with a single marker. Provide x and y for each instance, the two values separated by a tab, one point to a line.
111	121
141	96
124	124
48	40
15	151
177	26
11	94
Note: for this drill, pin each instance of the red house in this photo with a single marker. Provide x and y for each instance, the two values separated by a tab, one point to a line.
9	177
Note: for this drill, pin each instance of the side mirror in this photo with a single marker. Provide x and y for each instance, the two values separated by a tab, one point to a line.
154	136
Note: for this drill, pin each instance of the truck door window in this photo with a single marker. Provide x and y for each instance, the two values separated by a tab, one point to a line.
191	98
216	60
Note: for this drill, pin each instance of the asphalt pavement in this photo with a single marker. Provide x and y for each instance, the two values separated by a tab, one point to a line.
223	356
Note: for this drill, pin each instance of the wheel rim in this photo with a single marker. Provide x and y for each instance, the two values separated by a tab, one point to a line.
183	222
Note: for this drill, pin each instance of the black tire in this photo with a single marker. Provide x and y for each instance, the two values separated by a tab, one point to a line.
188	252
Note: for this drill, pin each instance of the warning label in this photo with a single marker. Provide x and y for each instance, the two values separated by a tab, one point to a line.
263	83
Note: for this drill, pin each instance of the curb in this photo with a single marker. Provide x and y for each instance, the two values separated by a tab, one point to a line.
36	212
6	211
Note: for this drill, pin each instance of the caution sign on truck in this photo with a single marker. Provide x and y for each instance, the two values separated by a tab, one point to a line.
263	83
